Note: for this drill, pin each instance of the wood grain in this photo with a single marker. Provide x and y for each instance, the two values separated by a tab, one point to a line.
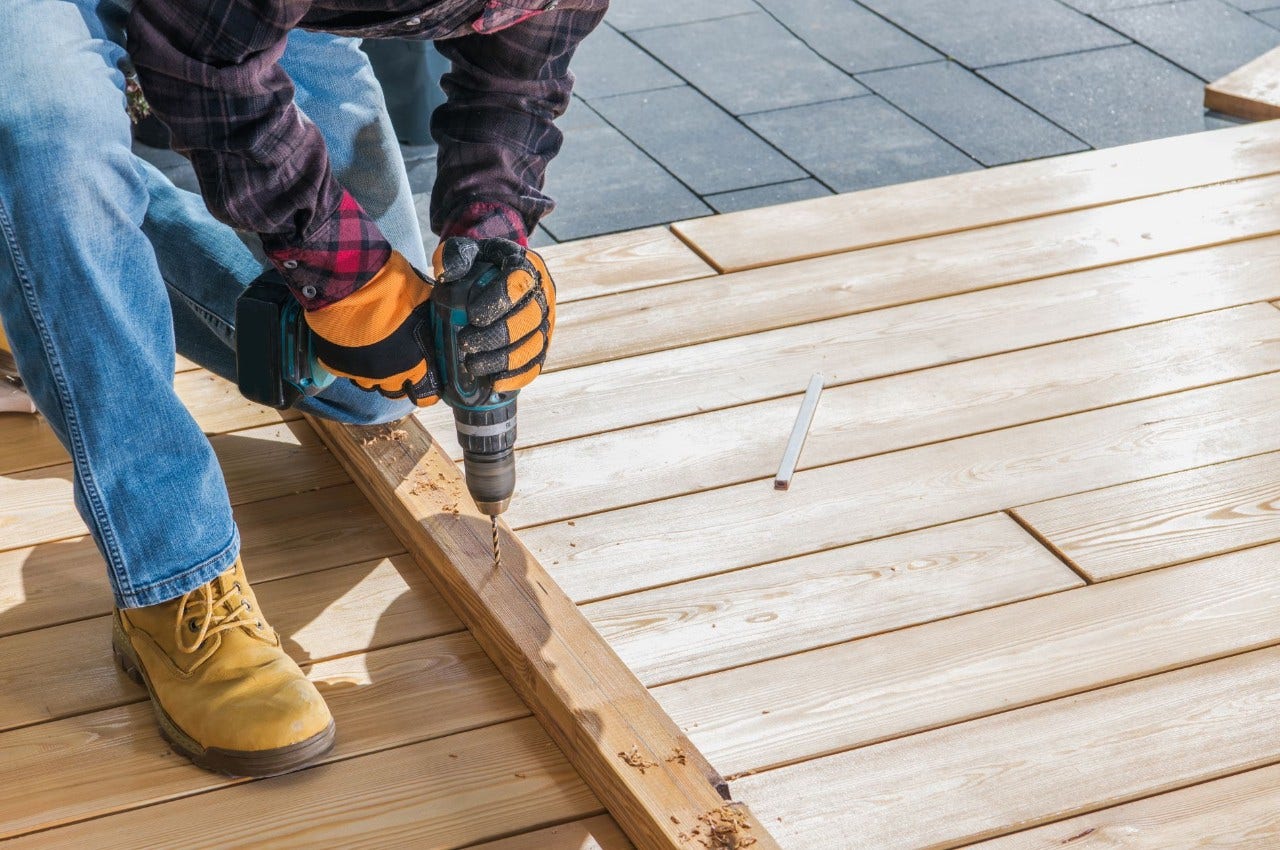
590	704
620	262
27	442
812	228
436	795
301	533
1143	525
728	373
598	833
795	294
697	627
1241	811
904	682
260	463
65	670
1251	91
376	699
1033	765
714	531
657	461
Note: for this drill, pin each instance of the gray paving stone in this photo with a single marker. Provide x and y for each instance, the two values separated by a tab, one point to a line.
850	35
1108	97
1271	17
1206	37
1254	5
603	183
859	143
540	238
608	64
972	114
696	140
748	63
1090	7
639	14
767	196
987	32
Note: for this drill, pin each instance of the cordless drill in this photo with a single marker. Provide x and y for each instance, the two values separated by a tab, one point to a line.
276	365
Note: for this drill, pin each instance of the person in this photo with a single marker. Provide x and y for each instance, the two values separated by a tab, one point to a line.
107	267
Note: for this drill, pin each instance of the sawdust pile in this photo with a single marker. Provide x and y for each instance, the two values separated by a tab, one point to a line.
722	829
636	759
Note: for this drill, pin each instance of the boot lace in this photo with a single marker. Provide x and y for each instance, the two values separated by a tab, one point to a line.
201	615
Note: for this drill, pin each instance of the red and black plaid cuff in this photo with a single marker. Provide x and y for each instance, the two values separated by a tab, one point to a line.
340	257
486	220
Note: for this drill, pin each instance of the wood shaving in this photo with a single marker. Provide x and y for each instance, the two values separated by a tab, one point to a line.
637	760
724	829
677	756
399	435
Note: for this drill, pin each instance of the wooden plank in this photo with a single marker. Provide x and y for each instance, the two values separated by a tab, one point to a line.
27	442
598	833
664	542
66	670
1160	521
67	580
591	705
812	228
908	681
575	477
774	297
437	795
727	373
376	700
1241	811
1033	765
620	262
261	463
1251	91
686	630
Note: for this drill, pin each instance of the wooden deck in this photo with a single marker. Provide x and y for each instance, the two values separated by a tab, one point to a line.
1021	594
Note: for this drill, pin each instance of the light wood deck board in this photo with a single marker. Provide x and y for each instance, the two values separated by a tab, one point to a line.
1156	522
1241	811
334	612
66	580
794	294
27	442
683	382
774	235
907	681
698	627
575	477
377	698
436	795
715	531
260	463
599	833
1251	91
621	262
1033	765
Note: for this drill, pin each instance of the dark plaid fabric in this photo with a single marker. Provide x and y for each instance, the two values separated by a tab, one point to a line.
210	70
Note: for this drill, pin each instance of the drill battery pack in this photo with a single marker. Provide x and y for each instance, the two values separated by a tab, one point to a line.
275	358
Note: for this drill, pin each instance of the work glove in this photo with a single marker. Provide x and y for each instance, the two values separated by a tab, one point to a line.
510	321
380	335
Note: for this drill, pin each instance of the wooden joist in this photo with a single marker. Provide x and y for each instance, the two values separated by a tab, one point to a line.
648	774
1251	91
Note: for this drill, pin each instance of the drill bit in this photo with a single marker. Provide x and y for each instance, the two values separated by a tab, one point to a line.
497	553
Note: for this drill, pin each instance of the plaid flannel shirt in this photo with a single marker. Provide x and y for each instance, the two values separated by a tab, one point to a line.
210	70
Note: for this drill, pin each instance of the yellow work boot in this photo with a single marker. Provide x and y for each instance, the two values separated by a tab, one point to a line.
226	695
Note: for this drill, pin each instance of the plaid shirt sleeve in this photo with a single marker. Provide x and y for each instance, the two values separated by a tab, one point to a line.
496	132
210	70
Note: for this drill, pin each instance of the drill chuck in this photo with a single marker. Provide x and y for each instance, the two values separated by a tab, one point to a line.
488	440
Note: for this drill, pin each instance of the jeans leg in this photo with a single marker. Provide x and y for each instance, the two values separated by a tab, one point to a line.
85	307
336	89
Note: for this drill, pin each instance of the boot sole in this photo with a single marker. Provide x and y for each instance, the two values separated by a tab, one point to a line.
255	763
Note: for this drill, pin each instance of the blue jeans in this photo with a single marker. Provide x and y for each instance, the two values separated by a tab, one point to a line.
105	266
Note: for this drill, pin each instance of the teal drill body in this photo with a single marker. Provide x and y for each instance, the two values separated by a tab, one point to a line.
277	364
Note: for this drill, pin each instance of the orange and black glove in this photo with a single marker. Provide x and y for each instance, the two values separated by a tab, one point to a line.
380	335
510	321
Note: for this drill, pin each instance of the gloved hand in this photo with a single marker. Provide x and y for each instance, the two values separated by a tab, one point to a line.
511	321
380	335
